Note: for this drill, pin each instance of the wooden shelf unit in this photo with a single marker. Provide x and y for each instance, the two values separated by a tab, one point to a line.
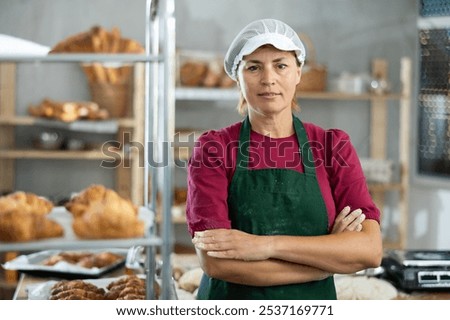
129	180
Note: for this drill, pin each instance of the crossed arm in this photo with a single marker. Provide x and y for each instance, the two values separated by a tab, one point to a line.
239	257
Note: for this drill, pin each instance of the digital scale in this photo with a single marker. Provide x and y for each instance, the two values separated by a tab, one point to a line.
418	269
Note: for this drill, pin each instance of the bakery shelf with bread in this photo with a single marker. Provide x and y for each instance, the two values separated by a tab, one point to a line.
117	71
97	217
201	69
85	122
110	83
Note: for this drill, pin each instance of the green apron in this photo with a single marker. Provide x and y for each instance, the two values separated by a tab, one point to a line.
274	202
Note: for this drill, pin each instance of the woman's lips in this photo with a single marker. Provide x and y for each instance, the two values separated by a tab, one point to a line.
268	94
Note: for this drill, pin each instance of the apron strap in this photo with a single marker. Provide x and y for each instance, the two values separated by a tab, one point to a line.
305	149
302	138
244	144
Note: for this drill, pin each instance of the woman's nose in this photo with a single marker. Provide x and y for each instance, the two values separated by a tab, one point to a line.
268	77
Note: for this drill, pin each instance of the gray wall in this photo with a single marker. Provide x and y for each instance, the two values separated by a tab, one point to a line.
347	35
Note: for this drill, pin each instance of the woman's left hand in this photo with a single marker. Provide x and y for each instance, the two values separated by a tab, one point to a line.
232	244
348	220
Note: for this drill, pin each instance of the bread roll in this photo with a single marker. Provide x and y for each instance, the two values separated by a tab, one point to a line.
190	280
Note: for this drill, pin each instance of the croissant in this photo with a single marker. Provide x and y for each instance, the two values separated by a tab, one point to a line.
36	204
99	260
100	213
46	228
79	204
23	217
16	226
124	280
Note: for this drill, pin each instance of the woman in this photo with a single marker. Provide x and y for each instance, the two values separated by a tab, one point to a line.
277	206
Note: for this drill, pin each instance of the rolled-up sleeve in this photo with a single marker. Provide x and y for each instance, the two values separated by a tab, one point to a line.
207	181
347	180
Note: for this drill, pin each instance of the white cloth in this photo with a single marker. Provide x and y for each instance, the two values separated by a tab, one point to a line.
15	46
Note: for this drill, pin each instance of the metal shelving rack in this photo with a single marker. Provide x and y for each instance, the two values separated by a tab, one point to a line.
159	62
160	85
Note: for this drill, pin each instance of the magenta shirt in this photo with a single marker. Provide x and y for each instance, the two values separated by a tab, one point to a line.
213	162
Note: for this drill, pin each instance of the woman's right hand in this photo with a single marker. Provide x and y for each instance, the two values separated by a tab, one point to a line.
348	220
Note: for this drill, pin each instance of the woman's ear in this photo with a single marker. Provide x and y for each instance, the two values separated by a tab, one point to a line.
299	74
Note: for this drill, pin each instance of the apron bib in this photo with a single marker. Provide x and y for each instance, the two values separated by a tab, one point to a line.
274	202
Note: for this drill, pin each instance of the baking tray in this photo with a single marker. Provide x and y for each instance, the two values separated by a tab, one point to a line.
41	291
33	264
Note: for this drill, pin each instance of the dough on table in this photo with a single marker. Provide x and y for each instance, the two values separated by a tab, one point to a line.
363	288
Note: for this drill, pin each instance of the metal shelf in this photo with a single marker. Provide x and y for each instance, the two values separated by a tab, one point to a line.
102	126
185	93
60	154
205	94
82	58
80	244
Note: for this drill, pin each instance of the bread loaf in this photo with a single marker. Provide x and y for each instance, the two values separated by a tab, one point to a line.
97	40
193	73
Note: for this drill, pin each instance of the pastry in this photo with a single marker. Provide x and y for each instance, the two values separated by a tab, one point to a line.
100	213
129	288
76	290
23	217
68	111
84	259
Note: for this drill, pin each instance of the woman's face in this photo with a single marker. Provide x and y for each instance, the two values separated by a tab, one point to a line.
268	78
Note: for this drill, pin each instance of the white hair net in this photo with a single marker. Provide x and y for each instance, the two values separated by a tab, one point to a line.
257	34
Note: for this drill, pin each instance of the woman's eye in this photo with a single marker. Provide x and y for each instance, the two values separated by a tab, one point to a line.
252	68
282	66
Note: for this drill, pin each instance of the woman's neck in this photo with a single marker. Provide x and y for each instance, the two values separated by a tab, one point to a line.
275	126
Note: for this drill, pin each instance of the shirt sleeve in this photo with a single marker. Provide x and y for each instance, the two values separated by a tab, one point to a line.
347	180
207	183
